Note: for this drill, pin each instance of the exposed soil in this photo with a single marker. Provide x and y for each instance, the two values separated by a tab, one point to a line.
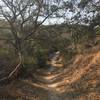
80	80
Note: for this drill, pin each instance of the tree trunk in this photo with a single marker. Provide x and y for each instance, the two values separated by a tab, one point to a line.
17	69
13	74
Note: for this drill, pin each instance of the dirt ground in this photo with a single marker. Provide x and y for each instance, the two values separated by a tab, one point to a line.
80	80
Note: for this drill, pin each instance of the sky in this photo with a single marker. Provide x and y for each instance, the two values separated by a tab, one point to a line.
59	20
51	20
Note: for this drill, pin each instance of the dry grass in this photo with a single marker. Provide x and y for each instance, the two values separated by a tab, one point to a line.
78	81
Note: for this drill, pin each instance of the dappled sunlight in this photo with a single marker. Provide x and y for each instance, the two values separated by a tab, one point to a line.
49	49
63	80
78	79
58	65
39	85
50	77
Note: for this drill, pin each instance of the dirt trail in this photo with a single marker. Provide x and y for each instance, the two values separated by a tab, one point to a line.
78	81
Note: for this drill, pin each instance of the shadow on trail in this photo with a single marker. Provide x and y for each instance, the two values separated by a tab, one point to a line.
78	81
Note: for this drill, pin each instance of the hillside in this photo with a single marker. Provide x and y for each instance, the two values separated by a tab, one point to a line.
49	49
79	80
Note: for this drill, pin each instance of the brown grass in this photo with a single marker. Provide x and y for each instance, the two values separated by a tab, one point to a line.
78	81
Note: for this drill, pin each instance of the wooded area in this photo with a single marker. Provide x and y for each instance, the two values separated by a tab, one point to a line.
52	47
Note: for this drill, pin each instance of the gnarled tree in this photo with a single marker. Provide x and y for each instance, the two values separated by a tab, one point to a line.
24	18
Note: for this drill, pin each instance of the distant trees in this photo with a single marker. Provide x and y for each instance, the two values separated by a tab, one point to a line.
89	14
24	18
85	12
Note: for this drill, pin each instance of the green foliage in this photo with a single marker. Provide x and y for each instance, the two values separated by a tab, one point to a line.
53	8
69	39
41	58
83	3
68	55
98	30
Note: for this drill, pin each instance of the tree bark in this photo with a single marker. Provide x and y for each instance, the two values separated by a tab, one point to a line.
13	74
18	67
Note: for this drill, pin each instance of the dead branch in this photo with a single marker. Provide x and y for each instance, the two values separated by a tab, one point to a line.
13	73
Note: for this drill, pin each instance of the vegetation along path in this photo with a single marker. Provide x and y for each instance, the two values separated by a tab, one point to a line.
78	81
